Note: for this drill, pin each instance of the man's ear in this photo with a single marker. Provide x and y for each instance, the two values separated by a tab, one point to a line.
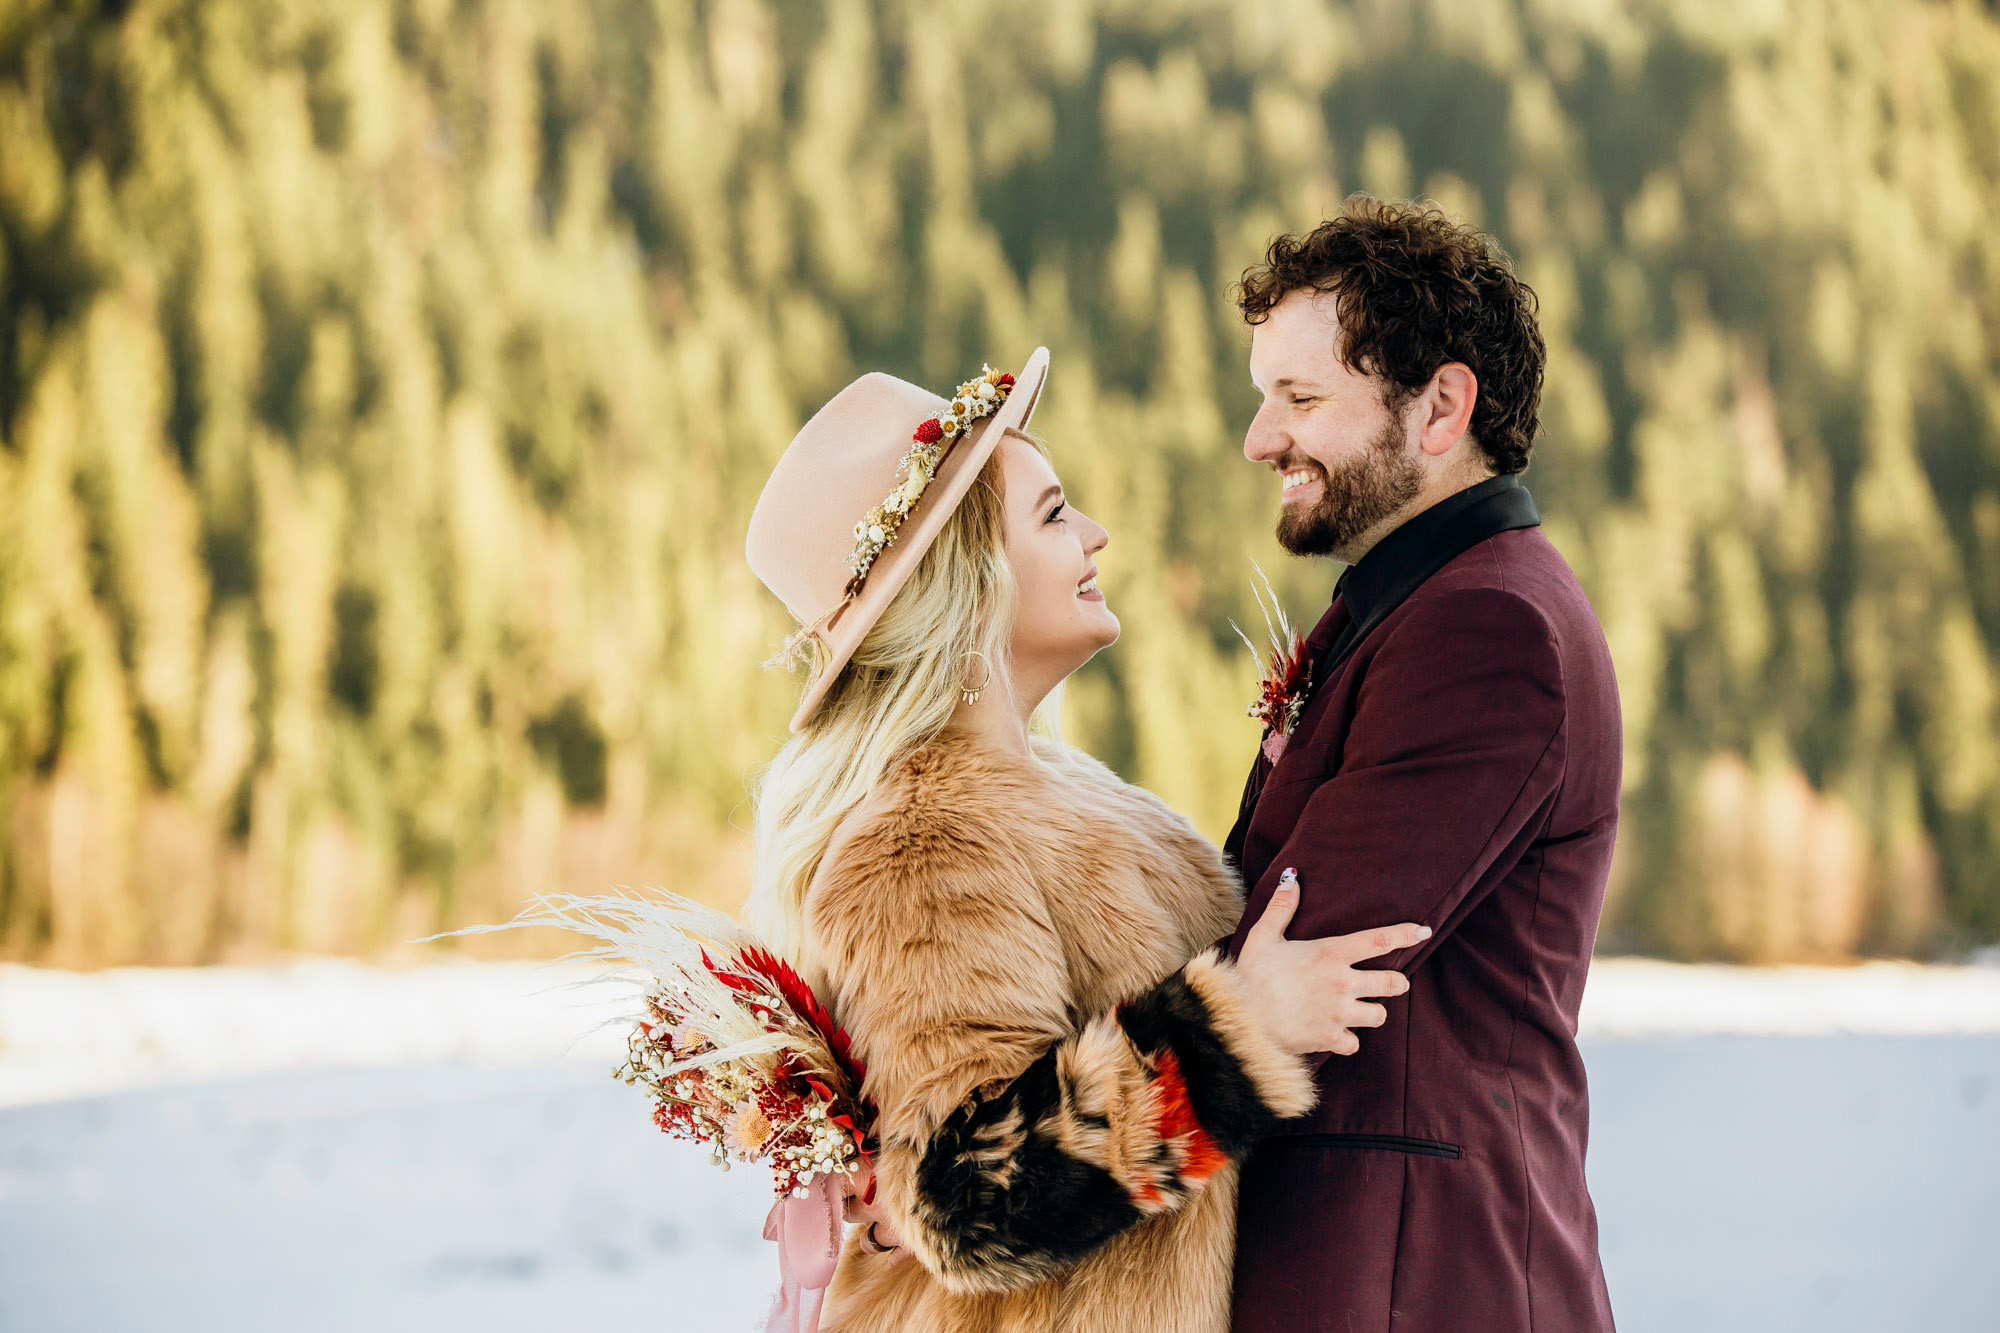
1444	411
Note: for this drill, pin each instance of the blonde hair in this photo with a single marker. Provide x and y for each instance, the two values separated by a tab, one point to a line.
893	697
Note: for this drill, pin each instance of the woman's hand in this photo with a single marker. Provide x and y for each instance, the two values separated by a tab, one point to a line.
1309	993
859	1206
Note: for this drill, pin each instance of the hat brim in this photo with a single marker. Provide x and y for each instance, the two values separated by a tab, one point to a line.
892	569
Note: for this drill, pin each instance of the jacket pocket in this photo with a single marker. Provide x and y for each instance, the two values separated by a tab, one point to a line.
1384	1142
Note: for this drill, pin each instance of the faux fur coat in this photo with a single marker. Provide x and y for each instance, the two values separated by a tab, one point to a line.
1065	1074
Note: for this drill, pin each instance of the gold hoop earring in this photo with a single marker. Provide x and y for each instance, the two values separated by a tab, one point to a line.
970	693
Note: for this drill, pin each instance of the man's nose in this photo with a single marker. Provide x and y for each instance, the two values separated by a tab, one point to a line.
1264	442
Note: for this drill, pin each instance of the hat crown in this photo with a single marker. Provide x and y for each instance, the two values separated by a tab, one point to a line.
840	469
836	469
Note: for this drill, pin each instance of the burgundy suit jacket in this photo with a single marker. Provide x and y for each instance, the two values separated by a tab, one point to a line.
1459	768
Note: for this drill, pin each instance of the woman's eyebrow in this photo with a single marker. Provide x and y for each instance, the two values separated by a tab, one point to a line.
1052	493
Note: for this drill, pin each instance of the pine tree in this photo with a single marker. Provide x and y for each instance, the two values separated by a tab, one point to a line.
384	387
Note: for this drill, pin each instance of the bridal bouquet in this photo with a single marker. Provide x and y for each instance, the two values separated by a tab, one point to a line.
738	1054
733	1047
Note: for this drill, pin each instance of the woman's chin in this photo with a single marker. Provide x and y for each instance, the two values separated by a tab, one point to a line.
1070	654
1107	631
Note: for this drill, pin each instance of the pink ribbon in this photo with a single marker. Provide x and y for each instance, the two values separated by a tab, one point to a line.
808	1234
1275	745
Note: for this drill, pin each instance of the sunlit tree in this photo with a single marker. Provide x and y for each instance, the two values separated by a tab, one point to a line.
385	385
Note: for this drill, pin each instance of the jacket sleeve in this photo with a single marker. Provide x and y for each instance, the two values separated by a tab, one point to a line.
1451	765
1015	1139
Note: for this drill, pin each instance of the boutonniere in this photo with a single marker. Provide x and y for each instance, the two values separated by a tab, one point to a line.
1284	680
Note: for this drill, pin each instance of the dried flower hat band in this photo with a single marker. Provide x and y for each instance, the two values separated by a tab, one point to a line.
976	399
876	532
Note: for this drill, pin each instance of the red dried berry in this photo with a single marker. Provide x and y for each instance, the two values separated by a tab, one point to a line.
929	433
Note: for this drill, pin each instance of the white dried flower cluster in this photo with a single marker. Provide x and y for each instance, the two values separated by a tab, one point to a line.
828	1148
666	1076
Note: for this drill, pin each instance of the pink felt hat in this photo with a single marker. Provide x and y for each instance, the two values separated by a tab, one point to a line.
835	471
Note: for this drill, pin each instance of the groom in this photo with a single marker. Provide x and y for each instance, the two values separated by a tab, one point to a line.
1456	764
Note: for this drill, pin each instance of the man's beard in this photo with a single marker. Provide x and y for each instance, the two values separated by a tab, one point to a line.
1354	498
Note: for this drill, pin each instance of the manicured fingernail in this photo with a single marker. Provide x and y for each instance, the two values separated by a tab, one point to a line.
1289	880
1423	932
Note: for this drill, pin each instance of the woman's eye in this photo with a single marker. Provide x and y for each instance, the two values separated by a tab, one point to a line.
1055	515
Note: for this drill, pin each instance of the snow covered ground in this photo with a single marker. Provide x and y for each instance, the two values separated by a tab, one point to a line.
336	1146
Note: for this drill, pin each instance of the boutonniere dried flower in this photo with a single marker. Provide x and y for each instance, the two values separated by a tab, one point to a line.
1284	680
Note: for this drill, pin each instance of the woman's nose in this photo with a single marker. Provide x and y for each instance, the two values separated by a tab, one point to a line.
1096	537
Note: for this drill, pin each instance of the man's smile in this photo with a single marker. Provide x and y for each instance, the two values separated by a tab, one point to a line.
1296	482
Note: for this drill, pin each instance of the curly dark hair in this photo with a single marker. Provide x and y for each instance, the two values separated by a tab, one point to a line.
1416	290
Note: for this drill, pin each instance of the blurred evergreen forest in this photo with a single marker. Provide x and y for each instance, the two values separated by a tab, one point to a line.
385	386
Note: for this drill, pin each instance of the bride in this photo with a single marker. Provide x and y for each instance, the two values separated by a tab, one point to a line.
1065	1072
